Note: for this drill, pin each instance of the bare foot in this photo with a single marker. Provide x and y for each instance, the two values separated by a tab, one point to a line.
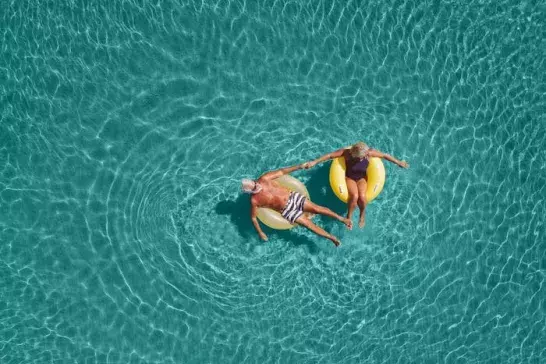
348	223
362	221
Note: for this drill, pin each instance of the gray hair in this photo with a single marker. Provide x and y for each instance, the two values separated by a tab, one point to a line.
248	185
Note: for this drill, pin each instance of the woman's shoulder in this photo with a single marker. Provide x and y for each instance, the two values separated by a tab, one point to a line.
347	156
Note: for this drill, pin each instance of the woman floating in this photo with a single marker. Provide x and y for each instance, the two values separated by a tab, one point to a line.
357	159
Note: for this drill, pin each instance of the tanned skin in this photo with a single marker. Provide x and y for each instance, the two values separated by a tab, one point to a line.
270	194
356	189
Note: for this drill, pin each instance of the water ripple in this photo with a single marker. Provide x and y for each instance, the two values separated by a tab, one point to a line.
125	128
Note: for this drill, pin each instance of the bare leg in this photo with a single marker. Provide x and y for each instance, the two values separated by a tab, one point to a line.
304	221
362	185
353	196
317	209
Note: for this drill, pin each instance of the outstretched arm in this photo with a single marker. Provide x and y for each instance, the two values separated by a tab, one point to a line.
390	158
324	158
253	211
280	172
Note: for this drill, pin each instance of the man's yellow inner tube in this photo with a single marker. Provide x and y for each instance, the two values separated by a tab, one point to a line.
375	175
272	218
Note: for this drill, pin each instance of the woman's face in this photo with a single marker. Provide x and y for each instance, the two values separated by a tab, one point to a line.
360	151
362	156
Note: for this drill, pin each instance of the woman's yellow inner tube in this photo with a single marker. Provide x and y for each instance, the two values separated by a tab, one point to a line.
272	218
375	175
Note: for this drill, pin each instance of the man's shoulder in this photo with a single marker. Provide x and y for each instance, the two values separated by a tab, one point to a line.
255	198
264	181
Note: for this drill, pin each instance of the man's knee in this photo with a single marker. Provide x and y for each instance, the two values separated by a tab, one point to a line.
322	209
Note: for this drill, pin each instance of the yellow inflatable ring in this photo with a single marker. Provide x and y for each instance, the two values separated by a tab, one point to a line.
272	218
375	175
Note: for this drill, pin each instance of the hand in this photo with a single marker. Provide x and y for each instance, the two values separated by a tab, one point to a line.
404	164
263	236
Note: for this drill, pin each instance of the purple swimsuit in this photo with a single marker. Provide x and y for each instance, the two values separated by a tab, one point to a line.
356	169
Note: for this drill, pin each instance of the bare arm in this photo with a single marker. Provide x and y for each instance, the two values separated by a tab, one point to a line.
280	172
324	158
390	158
253	211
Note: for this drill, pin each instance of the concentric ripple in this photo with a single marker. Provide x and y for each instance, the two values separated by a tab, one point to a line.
126	126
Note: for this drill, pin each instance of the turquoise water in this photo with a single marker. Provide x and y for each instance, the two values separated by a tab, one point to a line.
126	127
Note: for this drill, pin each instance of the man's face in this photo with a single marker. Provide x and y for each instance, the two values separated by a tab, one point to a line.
250	186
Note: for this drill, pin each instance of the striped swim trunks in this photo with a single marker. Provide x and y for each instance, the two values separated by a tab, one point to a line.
294	207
